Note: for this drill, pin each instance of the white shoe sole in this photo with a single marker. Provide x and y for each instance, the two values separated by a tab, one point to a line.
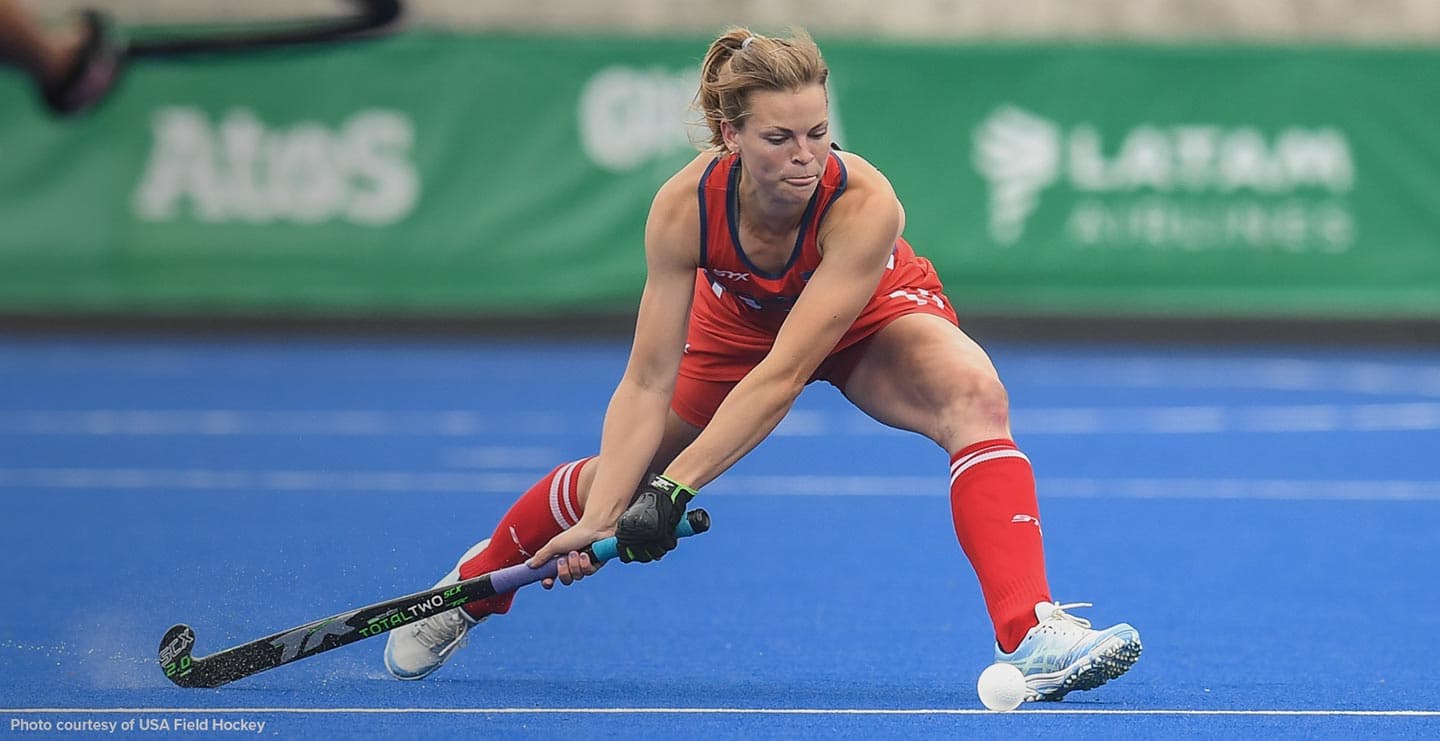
1113	658
451	577
411	677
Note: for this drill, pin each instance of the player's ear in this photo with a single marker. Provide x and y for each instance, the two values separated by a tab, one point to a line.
730	135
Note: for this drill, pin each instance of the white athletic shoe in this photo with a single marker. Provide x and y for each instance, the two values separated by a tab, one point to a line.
416	650
1062	653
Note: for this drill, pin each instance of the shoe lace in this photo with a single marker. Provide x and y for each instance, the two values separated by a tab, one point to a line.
1059	613
438	631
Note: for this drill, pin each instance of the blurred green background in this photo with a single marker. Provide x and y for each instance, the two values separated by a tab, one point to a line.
1120	159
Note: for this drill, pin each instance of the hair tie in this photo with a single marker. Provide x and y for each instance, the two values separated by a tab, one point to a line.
746	43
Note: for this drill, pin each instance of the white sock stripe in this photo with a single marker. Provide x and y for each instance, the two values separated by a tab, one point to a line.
572	492
974	460
555	501
958	462
555	484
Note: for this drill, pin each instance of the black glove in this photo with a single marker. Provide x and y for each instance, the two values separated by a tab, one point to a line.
646	532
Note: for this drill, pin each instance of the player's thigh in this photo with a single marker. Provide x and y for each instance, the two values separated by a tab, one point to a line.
692	406
922	373
678	436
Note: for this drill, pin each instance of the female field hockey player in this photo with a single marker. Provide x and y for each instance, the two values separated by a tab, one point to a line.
774	260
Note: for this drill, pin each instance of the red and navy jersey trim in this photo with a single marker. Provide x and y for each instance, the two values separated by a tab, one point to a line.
704	212
839	187
732	217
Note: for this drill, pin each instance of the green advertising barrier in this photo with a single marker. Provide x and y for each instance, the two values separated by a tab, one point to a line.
432	173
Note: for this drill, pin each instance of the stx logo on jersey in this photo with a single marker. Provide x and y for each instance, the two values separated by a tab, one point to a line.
729	274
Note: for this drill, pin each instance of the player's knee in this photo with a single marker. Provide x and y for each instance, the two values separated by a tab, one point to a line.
981	400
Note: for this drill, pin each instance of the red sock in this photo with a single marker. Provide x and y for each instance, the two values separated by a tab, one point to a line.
997	519
545	510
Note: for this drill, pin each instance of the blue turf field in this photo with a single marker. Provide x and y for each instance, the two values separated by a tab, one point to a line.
1267	519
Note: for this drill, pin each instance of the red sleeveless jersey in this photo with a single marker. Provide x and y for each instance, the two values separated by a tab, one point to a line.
730	285
738	308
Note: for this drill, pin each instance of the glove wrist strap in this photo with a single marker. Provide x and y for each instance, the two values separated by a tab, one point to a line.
672	488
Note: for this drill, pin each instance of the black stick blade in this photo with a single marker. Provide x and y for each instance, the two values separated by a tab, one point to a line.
309	639
366	622
175	648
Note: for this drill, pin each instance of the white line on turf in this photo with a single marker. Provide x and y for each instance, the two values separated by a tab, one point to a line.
509	483
731	711
1151	420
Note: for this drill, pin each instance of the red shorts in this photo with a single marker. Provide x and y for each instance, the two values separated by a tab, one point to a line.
721	347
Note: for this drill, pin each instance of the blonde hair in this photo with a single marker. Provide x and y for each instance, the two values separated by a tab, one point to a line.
740	62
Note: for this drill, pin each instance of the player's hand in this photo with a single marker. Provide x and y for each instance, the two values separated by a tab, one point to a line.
573	564
646	532
572	567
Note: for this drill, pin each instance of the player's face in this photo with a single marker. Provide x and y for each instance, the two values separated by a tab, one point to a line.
785	140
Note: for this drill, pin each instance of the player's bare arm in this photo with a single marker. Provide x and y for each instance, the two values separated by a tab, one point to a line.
856	238
635	418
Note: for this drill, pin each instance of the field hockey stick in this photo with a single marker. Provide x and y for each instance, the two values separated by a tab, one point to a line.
368	18
335	631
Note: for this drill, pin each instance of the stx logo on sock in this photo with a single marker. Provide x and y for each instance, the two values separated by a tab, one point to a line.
1026	518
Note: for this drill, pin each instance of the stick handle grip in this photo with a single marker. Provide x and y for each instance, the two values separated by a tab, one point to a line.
694	522
510	578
